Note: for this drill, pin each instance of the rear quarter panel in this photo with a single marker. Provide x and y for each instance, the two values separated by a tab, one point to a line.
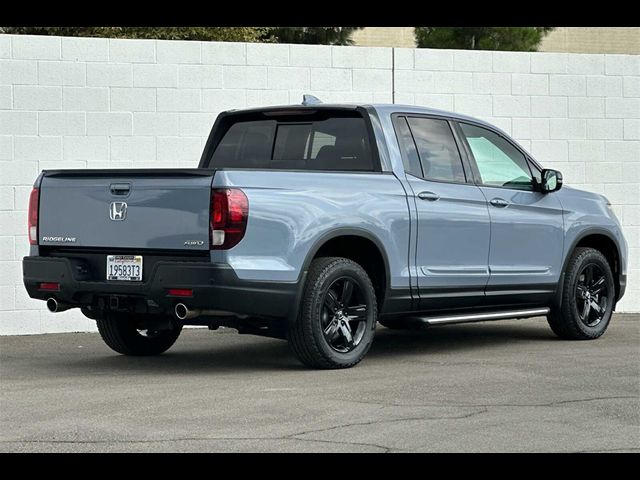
291	213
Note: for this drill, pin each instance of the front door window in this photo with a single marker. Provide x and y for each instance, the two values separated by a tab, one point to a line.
500	163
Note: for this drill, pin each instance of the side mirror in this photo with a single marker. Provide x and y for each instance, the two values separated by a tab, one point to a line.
551	181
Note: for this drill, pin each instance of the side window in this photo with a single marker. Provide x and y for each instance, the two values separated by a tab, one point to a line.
408	150
437	149
500	163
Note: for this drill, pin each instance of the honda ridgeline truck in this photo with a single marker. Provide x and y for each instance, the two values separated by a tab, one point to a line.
314	222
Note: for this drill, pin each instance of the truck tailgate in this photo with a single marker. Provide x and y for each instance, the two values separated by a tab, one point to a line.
157	209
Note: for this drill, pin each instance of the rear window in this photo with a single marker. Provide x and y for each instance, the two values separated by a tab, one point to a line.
303	143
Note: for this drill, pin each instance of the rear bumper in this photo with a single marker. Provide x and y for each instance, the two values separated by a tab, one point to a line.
215	287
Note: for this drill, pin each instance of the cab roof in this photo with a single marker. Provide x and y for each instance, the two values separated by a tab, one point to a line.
383	109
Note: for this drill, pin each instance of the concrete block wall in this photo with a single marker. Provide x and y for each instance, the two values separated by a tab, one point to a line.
101	103
104	103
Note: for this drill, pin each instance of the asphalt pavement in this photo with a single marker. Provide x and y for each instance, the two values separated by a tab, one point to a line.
497	386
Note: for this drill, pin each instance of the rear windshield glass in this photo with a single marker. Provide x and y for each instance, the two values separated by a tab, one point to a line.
336	143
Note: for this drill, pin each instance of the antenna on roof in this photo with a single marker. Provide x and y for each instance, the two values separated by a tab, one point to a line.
310	100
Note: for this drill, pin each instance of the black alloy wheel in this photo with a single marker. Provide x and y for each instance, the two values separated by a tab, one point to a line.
592	295
344	315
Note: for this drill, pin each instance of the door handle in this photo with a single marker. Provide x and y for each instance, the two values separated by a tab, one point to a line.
499	202
430	196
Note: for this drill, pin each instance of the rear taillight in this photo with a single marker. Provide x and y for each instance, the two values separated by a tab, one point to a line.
34	201
229	214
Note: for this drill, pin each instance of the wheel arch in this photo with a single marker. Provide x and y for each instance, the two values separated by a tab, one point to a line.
603	241
331	244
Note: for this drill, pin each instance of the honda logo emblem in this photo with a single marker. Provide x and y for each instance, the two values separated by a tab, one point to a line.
118	211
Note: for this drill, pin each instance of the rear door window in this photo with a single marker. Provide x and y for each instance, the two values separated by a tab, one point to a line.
437	149
408	150
335	143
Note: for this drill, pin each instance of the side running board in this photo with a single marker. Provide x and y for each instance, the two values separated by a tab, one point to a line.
479	317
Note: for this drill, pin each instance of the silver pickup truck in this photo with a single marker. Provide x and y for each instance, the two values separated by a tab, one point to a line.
314	222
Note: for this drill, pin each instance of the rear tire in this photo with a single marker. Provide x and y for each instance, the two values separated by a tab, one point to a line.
120	333
338	315
588	296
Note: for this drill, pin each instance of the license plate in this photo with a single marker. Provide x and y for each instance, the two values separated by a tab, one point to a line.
124	267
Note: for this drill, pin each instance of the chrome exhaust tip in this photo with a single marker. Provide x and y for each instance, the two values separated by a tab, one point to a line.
56	307
182	312
52	305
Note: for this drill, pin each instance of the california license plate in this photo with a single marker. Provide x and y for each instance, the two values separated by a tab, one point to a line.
124	267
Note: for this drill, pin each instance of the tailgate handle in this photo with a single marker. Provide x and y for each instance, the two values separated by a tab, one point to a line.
122	189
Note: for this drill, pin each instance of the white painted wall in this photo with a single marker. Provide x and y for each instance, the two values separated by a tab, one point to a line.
100	103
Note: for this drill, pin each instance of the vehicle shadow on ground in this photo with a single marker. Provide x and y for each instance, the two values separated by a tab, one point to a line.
452	338
245	353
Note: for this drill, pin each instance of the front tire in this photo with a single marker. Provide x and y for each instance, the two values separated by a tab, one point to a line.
588	297
338	315
120	333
